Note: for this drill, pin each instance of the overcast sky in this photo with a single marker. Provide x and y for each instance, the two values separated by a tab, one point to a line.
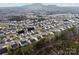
21	4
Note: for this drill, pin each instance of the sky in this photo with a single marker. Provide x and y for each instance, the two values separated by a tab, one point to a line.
11	4
21	4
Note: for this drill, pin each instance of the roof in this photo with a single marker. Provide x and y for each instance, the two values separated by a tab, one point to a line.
3	50
14	45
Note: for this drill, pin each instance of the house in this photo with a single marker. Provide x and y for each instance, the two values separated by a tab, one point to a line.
3	50
30	28
14	45
28	41
23	42
35	38
20	32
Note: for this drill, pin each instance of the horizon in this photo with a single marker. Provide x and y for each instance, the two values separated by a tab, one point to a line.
22	4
